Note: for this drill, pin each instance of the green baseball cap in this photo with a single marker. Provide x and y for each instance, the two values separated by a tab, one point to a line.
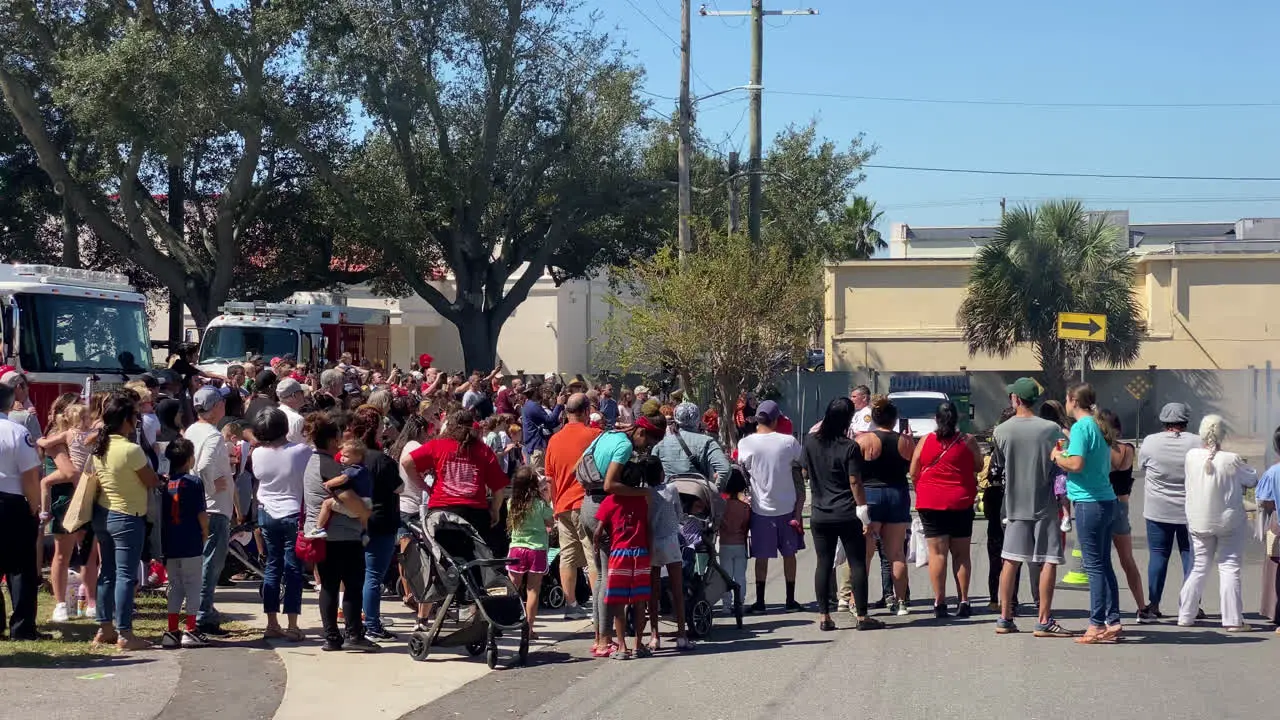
1027	389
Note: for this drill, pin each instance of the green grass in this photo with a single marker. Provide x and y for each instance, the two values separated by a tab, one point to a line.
70	645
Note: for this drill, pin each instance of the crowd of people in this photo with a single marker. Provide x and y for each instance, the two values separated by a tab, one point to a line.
144	485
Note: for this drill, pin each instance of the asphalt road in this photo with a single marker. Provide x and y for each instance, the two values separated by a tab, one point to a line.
781	666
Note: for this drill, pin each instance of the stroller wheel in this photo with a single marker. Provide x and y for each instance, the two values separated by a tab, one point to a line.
555	597
475	648
523	656
418	647
491	658
700	618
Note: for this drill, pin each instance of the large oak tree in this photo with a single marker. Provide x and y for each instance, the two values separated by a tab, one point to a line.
504	142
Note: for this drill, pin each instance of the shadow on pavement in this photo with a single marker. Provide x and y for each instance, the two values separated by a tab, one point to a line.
1192	636
86	660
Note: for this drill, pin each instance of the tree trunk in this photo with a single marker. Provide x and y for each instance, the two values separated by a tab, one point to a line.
728	398
70	236
177	220
479	340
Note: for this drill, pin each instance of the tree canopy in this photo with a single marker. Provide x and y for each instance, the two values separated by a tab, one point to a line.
690	316
1043	261
185	105
506	132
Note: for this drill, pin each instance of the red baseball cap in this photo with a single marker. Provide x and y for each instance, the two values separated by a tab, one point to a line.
424	360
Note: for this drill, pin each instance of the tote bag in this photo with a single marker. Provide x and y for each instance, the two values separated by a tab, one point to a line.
80	510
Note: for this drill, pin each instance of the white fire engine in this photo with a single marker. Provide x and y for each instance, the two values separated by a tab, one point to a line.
311	333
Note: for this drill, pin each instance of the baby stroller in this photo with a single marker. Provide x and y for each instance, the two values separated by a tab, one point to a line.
703	505
242	553
552	593
447	563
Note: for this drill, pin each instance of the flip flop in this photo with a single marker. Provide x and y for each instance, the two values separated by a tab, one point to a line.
604	652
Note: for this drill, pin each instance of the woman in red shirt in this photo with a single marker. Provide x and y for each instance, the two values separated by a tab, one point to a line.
468	477
945	472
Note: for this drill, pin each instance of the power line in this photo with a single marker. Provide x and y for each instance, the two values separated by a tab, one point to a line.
665	34
1027	103
1091	200
1040	173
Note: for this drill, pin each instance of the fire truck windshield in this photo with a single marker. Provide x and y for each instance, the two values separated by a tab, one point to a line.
67	334
229	343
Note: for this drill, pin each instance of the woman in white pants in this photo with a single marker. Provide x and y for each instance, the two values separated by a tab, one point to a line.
1216	518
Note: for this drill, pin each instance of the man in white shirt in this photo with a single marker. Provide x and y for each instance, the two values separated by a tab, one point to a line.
213	467
291	400
861	398
19	507
776	507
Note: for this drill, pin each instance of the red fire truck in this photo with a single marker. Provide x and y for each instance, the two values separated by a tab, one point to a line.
313	334
72	330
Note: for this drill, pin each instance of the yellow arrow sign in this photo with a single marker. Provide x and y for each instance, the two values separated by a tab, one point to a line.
1088	327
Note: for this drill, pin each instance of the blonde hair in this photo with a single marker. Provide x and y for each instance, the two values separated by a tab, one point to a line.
141	388
352	448
72	417
1212	433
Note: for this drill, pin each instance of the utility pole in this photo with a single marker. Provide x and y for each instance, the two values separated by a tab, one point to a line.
757	14
686	119
733	192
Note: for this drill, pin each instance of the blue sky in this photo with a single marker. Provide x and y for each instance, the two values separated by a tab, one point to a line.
1088	51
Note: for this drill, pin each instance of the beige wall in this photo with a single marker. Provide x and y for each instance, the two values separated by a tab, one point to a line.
1203	311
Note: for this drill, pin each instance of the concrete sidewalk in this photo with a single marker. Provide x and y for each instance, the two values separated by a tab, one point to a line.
318	682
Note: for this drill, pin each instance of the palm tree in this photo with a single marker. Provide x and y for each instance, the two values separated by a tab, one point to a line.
1044	261
860	219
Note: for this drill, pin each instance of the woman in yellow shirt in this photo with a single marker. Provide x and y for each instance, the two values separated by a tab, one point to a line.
120	520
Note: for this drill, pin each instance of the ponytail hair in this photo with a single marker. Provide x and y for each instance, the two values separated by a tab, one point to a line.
1112	421
1212	433
1087	399
947	419
117	411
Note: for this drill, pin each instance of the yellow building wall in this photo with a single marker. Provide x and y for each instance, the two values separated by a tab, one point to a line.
1202	311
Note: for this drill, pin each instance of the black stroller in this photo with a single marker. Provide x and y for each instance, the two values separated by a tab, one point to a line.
447	563
703	505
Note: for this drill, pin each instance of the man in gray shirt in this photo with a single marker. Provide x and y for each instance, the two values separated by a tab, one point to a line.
1162	459
1023	446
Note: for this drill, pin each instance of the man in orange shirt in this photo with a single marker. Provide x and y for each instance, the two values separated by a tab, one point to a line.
564	450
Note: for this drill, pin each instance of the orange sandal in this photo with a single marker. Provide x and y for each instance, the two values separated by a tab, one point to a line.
1094	636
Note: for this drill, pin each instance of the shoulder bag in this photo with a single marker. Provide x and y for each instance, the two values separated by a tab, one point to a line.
80	509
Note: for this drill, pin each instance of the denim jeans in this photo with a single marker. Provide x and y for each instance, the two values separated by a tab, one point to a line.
120	538
1094	521
215	556
280	534
377	558
1160	539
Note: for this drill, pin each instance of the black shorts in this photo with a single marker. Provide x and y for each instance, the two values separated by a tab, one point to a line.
947	523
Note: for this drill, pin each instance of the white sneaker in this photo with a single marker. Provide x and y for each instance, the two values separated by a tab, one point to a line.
902	610
194	640
842	606
170	640
60	613
317	533
1066	524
